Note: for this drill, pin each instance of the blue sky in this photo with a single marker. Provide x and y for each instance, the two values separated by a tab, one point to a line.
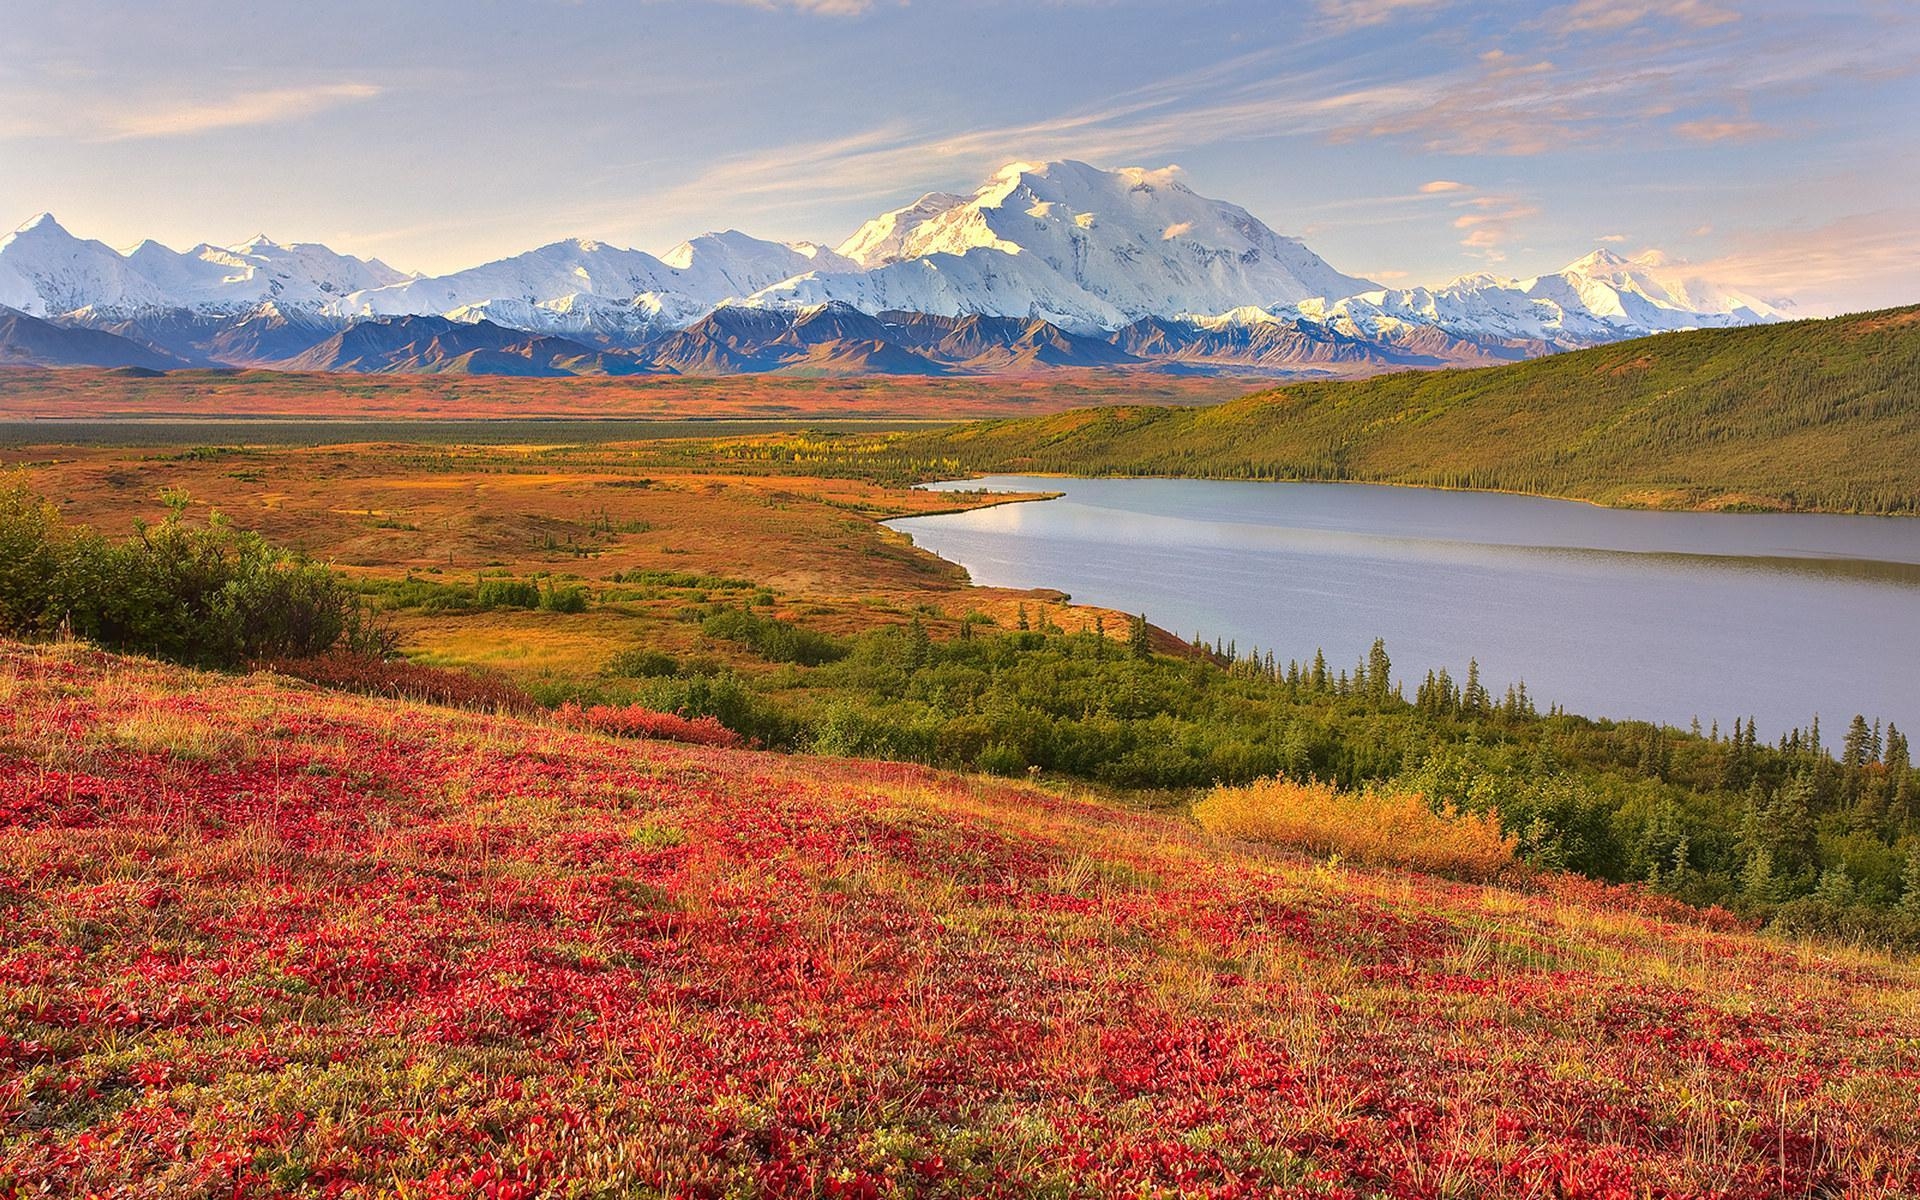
1407	140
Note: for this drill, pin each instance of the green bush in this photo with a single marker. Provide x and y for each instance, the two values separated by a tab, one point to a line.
641	663
507	593
1001	759
207	595
564	598
773	639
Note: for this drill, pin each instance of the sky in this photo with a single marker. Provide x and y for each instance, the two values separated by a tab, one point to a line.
1773	145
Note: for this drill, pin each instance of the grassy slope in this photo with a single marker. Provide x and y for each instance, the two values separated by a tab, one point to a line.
264	941
1813	414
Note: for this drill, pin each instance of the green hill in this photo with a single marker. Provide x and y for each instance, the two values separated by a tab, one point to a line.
1807	415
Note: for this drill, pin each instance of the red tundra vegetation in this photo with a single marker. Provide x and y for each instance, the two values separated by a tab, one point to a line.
633	720
266	941
399	679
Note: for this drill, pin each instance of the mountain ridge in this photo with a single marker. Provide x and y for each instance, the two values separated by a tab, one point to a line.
1132	257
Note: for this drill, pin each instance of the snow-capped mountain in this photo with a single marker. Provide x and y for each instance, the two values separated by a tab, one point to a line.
1600	298
46	271
1133	259
1074	245
582	286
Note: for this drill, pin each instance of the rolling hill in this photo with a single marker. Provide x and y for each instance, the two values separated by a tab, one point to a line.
1806	415
267	940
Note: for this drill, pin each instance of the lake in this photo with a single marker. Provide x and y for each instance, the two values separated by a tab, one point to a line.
1609	613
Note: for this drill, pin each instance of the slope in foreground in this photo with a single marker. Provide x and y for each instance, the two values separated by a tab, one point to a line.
266	941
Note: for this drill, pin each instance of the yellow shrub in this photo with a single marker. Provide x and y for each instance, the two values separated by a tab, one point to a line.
1384	828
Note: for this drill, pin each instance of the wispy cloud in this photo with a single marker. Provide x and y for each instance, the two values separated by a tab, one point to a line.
1487	223
1438	186
1709	129
824	8
1600	16
1359	14
266	107
1862	260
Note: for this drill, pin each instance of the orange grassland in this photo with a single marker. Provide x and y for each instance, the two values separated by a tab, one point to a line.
448	513
28	393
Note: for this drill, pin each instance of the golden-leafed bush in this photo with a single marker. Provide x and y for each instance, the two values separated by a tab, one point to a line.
1384	828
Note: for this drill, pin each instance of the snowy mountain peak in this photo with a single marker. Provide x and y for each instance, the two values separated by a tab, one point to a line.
1601	259
883	239
39	221
1652	280
1090	250
1073	244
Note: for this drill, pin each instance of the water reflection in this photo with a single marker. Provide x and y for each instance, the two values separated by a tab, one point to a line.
1666	615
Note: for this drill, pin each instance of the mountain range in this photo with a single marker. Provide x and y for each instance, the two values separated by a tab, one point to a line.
1046	265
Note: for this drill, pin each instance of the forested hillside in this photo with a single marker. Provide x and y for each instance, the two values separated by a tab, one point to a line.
1809	415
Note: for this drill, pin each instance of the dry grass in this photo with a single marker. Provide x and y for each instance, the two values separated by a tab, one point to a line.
1377	827
446	513
70	392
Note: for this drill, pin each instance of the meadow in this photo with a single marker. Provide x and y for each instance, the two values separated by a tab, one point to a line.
266	940
31	393
716	580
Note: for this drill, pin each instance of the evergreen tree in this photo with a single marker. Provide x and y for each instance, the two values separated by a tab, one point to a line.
1910	884
1475	699
1857	750
919	645
1139	640
1379	670
1836	887
1759	881
1789	825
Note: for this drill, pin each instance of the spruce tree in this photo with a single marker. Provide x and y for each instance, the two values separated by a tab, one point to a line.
1910	884
919	645
1856	750
1139	641
1379	670
1759	881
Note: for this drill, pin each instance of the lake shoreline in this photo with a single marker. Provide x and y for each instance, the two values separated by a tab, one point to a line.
1720	510
1766	610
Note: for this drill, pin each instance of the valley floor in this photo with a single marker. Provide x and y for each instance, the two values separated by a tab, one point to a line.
701	529
264	940
68	394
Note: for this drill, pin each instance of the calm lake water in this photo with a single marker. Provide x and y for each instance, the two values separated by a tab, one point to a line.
1660	616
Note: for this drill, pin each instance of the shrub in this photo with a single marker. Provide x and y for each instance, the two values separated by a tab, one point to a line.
567	598
1378	827
32	553
642	664
1001	759
632	720
773	639
209	595
404	680
1638	899
723	696
507	593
